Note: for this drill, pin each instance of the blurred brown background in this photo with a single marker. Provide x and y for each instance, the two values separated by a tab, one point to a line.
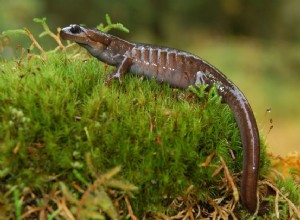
255	43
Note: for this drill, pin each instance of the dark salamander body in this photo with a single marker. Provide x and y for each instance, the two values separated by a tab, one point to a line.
179	69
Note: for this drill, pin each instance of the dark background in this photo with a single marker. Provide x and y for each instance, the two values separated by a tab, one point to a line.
268	19
255	43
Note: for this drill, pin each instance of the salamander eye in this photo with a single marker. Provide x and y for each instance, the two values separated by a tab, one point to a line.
75	29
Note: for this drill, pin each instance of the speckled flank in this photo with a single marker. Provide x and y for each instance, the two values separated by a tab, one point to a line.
179	69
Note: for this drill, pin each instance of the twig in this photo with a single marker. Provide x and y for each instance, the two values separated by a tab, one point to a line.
50	33
208	160
130	212
230	180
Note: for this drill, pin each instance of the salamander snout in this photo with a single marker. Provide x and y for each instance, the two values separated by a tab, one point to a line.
75	29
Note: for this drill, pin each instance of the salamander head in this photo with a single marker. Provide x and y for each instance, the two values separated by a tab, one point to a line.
86	37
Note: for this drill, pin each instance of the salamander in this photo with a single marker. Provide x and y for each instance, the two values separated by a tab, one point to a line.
179	69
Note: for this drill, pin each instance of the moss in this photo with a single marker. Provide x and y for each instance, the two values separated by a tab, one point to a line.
53	113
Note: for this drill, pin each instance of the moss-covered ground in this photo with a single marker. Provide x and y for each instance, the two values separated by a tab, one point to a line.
74	148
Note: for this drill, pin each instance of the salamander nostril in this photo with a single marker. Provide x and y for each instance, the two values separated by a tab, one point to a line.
75	29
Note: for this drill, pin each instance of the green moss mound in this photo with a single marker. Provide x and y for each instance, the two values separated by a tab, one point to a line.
55	112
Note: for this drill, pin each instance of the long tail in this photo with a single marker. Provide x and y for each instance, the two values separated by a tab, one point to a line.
251	145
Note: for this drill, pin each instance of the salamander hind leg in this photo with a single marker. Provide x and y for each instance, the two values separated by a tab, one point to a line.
122	69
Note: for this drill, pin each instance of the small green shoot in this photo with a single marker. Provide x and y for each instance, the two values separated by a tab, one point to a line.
18	204
110	25
80	177
199	90
54	214
14	32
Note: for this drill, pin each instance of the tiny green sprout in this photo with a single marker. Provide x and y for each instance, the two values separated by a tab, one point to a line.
54	214
14	32
77	165
42	21
80	177
110	26
108	20
213	96
200	90
18	204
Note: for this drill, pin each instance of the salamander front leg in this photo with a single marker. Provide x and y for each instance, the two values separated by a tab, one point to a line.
122	69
